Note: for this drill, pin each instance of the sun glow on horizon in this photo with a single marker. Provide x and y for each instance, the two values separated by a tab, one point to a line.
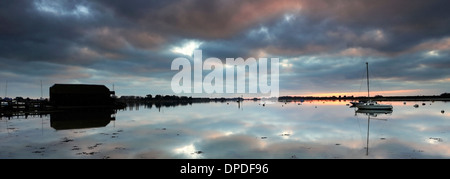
362	93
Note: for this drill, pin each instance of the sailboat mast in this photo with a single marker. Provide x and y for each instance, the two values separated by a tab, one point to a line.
41	90
6	88
367	69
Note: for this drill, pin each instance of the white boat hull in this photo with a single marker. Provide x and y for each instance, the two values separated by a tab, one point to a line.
374	106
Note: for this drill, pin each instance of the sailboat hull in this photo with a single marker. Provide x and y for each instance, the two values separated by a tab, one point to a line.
375	107
369	111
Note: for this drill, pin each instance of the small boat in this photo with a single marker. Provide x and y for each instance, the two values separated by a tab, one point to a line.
357	103
372	105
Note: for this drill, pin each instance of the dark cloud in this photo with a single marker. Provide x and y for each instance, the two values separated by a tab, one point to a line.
319	41
37	31
199	19
404	23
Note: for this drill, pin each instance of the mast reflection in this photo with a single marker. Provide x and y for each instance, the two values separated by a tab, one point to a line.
374	114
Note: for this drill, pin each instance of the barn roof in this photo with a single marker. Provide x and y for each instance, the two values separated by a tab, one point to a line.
78	88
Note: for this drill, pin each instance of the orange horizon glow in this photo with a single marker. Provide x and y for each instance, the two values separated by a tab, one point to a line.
362	93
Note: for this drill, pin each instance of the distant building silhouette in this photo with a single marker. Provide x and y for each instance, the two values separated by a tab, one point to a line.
80	95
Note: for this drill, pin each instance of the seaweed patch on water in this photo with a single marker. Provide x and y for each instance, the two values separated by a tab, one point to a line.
65	139
94	146
87	153
76	148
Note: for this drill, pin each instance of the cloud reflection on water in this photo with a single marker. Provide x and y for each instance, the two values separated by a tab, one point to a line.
220	130
310	130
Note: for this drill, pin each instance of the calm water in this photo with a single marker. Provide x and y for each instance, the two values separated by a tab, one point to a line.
316	129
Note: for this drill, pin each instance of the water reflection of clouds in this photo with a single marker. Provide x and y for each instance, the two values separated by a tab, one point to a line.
261	134
285	130
188	151
218	130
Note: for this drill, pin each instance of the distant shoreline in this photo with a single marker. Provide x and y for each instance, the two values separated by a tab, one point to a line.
20	106
443	97
184	99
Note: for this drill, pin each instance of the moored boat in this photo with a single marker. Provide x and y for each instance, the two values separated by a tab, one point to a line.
372	105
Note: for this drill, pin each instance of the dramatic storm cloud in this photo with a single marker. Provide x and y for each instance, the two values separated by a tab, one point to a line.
322	45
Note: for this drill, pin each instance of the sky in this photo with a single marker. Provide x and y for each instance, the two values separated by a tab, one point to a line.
322	45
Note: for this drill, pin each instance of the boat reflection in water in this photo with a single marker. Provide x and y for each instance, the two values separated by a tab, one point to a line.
80	119
372	114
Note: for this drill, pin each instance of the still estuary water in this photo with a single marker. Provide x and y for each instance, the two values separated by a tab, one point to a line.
249	130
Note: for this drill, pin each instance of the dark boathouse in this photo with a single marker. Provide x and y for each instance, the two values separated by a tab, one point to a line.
80	95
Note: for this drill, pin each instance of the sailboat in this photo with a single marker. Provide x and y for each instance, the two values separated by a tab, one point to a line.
372	105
